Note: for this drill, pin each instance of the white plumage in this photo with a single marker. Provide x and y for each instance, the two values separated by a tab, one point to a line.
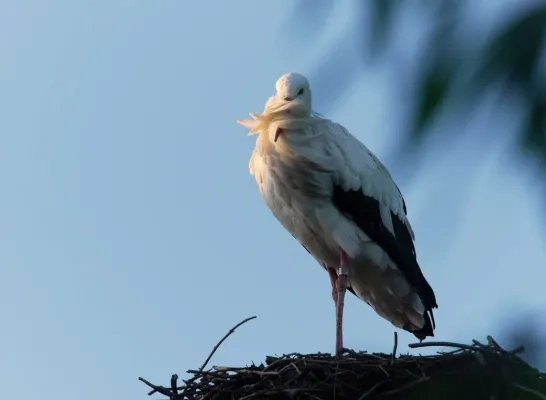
340	202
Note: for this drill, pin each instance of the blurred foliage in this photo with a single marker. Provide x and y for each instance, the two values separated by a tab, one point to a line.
456	74
525	330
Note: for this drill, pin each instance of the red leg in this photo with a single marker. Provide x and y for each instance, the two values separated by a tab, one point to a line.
341	288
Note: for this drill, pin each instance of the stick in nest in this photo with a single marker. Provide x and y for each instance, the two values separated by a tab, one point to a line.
191	380
173	391
222	340
395	347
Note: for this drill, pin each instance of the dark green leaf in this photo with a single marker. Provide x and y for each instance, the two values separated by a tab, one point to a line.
533	140
431	96
514	53
382	12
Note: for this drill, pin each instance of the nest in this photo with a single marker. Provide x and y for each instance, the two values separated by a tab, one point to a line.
477	371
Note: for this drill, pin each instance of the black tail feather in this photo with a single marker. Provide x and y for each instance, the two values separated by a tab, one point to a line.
428	329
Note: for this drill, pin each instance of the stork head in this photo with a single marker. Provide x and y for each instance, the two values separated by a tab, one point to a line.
293	97
294	92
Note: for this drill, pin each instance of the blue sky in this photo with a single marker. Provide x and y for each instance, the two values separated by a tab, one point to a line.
133	236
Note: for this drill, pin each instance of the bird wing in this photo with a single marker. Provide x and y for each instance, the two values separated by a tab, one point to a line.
364	191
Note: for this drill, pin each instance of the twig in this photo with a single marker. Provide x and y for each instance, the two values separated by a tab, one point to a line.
222	341
206	373
174	384
350	352
384	371
531	391
395	347
239	370
160	389
293	365
493	343
517	350
442	344
372	390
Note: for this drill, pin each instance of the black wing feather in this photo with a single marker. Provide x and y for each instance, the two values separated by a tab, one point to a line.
366	213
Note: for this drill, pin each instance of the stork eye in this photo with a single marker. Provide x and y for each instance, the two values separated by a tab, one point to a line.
300	92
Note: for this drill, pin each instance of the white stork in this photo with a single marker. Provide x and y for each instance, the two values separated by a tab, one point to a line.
340	202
